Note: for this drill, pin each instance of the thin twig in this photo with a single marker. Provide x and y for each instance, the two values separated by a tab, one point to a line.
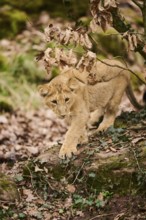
130	32
31	177
137	3
137	128
78	173
119	143
121	67
103	215
137	162
6	201
51	187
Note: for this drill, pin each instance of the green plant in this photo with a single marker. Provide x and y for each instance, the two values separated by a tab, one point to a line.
93	199
18	81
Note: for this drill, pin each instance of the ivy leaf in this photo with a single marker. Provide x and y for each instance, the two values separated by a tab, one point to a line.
92	175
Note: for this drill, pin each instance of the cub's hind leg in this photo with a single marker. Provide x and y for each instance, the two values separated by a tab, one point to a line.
108	119
95	116
113	105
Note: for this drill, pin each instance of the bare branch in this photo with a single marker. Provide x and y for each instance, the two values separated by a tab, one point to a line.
137	3
144	18
123	68
100	216
121	26
137	128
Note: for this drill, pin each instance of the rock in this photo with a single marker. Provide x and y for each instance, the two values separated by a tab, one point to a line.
112	171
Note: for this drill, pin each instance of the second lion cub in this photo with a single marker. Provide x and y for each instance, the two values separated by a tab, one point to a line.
71	97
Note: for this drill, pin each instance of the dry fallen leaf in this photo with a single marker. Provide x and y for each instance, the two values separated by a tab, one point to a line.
80	213
29	194
47	216
33	150
32	210
68	202
118	217
70	188
136	140
37	169
3	119
113	149
100	196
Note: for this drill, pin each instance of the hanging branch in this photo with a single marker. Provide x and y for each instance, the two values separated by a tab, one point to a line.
107	13
137	3
121	26
144	18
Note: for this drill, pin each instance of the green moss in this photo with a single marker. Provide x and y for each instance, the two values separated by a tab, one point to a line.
142	153
116	181
8	189
5	184
3	62
5	106
58	172
119	123
12	21
116	46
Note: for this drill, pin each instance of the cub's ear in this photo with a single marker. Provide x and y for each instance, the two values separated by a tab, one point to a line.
75	83
43	90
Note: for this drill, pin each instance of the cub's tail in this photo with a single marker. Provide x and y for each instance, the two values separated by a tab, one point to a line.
144	97
134	102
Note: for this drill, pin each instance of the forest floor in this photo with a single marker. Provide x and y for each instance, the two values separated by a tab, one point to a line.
53	189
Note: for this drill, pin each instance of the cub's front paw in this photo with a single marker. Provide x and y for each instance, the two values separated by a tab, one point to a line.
103	127
67	152
96	131
83	140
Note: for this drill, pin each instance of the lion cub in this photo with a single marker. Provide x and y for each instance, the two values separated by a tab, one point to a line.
82	98
71	96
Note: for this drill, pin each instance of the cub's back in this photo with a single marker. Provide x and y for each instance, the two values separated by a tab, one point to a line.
101	93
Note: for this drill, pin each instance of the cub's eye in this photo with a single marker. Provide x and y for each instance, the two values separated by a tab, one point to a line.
66	99
54	102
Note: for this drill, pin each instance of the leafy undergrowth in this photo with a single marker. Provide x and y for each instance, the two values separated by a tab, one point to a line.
70	189
20	74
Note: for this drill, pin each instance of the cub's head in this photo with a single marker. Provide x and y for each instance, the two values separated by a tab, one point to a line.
61	96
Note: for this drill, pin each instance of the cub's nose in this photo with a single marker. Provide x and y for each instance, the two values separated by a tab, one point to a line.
62	116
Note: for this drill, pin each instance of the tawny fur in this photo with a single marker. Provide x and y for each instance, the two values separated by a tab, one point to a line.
81	101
